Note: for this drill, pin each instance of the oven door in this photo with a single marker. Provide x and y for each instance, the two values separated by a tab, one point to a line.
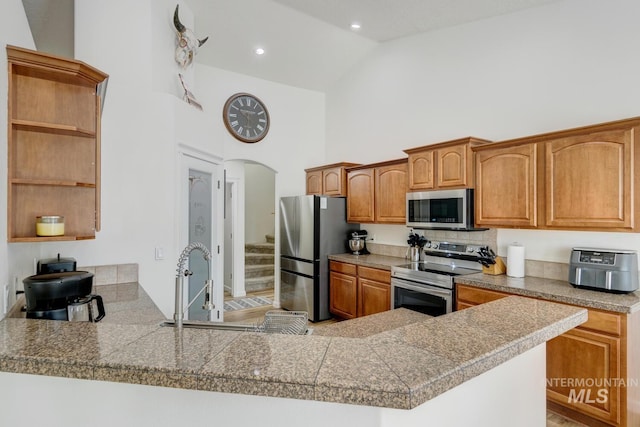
421	297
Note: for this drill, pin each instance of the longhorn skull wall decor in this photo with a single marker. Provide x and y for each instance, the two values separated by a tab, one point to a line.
188	43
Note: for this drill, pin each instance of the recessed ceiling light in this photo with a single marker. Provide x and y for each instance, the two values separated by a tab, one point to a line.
355	26
259	51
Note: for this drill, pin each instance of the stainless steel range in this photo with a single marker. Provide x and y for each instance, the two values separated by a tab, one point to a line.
427	286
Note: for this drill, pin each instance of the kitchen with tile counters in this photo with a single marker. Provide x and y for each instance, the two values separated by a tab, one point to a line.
325	367
346	137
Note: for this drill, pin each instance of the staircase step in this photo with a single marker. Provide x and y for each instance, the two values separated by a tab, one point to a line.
258	258
259	283
270	238
260	270
267	248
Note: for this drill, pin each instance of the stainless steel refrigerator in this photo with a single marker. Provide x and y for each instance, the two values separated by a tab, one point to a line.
311	228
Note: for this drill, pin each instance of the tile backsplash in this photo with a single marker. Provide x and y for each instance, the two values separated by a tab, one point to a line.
546	270
534	268
488	238
112	274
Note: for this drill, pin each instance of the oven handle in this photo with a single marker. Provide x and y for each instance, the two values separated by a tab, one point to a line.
399	283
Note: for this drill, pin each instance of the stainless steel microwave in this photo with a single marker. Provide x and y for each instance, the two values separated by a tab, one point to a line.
441	209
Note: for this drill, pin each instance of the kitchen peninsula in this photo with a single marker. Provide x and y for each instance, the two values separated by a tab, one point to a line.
490	357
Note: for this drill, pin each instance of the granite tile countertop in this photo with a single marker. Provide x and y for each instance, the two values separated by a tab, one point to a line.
382	262
554	290
411	360
124	303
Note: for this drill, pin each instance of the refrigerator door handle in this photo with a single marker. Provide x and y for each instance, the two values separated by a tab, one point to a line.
297	266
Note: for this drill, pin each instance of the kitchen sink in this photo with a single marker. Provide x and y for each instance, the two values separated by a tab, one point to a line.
243	327
220	326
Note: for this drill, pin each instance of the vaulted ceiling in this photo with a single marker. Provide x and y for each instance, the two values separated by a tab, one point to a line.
307	43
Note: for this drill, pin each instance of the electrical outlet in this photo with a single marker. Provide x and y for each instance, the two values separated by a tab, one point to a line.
159	253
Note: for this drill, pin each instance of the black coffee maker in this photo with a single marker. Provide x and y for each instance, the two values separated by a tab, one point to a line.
58	286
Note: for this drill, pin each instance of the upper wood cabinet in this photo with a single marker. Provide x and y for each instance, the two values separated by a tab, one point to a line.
589	180
444	165
377	193
506	186
53	144
329	180
390	194
361	199
577	179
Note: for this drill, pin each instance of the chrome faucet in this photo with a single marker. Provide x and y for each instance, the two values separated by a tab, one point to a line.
178	315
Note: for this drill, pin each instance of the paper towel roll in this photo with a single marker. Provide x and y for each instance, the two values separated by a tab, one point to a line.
515	260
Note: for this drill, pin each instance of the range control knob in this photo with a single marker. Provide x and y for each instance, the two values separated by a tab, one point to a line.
434	245
473	249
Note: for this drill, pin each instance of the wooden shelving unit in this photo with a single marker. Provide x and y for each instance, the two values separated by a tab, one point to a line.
53	144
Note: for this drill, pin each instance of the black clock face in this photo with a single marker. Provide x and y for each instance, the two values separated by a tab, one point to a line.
246	117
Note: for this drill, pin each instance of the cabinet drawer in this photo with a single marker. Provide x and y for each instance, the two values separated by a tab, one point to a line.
600	321
477	296
342	267
374	274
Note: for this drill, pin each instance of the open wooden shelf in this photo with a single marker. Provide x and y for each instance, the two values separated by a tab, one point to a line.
18	181
37	239
54	128
53	145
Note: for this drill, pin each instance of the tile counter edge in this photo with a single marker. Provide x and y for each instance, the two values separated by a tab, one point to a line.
554	290
333	369
382	262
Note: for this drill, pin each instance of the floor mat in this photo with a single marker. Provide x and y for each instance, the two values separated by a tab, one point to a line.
242	303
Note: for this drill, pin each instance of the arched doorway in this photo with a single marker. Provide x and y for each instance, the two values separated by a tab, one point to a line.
249	227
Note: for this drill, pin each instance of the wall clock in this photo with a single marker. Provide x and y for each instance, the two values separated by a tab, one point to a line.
246	117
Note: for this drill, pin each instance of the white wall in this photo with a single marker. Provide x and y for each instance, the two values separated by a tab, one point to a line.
296	135
559	66
14	30
145	123
259	203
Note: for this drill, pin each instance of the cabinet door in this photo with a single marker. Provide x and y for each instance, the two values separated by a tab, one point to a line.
452	167
421	170
314	183
506	188
373	297
391	194
343	295
582	367
588	181
360	203
333	181
468	296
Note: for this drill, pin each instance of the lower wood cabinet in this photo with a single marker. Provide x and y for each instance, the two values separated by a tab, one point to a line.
356	291
343	295
587	369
